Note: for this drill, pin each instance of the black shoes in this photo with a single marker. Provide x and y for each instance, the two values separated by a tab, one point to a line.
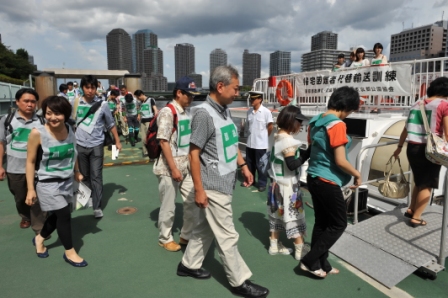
250	290
261	189
195	273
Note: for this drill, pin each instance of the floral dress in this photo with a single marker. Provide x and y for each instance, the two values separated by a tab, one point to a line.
285	205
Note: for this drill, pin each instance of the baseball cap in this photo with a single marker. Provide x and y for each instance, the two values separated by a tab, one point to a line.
256	94
300	116
187	84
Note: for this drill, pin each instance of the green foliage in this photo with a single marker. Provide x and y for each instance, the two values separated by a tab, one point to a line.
9	80
16	65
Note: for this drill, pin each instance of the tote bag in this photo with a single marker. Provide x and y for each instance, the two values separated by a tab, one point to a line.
392	189
436	148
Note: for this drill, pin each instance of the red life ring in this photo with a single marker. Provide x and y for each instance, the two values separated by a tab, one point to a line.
422	90
284	101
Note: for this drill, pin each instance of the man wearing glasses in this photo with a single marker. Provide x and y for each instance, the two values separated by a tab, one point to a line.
258	127
171	168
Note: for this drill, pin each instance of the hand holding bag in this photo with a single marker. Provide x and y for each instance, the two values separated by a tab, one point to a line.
436	148
391	189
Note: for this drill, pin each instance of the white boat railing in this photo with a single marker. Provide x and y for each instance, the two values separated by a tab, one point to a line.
423	72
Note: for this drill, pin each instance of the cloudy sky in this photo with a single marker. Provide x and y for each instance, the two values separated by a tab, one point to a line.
72	34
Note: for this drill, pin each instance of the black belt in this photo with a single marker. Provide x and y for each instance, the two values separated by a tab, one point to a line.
50	180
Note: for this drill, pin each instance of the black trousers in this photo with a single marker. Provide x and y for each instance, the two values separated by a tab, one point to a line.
60	220
330	222
253	162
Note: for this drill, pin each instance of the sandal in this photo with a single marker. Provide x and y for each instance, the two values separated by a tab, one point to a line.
333	271
408	215
420	222
319	273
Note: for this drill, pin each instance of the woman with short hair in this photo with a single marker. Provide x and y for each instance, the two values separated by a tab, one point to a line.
57	165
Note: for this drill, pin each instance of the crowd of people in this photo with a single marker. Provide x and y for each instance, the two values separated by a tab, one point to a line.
357	58
200	159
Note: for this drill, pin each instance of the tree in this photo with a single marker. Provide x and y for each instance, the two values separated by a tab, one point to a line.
22	53
15	65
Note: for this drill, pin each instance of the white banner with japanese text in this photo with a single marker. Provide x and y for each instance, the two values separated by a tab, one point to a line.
374	80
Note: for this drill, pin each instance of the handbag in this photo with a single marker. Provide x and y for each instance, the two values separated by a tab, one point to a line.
391	189
436	148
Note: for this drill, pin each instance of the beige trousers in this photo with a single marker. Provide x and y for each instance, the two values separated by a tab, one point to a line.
143	131
216	221
168	189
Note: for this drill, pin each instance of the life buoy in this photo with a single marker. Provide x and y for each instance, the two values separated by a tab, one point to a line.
422	90
284	100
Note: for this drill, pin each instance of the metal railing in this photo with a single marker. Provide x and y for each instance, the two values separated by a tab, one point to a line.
7	96
423	73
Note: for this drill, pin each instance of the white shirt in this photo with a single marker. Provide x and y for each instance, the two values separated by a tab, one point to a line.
257	127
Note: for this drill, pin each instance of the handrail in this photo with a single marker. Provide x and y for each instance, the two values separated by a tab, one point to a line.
442	255
358	167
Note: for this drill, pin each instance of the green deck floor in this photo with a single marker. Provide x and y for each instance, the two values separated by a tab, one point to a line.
126	261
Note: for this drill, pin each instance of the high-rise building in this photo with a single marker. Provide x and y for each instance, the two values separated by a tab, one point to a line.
153	79
141	40
251	67
279	63
152	61
197	78
156	82
326	59
423	42
325	40
183	60
324	53
218	57
119	50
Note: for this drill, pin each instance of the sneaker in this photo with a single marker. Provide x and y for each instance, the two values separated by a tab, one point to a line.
170	246
277	248
98	213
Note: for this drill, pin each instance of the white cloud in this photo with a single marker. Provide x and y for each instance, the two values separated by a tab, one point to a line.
73	33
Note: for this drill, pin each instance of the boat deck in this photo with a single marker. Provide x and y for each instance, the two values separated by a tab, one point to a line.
126	261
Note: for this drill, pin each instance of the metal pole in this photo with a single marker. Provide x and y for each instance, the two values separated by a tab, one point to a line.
10	98
442	254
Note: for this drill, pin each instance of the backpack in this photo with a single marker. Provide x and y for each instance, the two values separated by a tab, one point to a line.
152	144
8	120
8	128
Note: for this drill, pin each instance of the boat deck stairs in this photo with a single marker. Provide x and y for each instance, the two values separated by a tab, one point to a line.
387	248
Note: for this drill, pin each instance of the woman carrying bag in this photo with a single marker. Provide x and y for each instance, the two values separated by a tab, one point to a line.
426	173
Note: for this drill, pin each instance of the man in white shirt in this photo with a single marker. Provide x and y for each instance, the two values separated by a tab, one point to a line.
259	127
